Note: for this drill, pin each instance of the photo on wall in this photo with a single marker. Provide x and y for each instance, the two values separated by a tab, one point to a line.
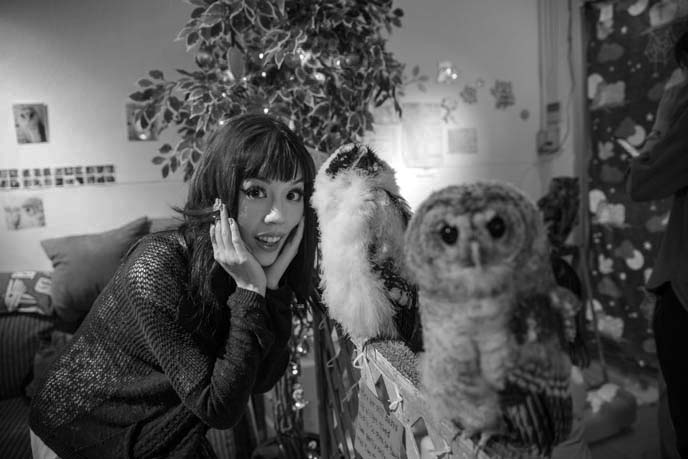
22	213
31	122
134	130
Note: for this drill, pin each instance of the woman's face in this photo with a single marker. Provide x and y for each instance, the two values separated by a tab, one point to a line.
268	211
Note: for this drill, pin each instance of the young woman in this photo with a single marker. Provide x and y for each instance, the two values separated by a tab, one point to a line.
194	320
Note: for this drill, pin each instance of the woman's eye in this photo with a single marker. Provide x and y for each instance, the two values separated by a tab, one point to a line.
254	192
295	195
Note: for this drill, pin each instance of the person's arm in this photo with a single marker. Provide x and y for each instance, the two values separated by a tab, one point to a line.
662	168
215	388
275	362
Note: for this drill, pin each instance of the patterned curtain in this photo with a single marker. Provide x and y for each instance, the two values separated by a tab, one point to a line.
629	53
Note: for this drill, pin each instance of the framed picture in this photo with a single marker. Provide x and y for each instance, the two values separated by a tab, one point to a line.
31	122
24	213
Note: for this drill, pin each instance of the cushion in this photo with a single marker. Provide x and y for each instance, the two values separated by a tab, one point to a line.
21	336
164	224
25	291
84	264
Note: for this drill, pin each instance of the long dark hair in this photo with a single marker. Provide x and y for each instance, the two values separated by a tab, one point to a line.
247	146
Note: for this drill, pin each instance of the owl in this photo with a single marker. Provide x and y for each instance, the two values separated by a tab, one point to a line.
362	220
494	321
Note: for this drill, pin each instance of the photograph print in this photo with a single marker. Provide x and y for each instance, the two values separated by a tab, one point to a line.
31	122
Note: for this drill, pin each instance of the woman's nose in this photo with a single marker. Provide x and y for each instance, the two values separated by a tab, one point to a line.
276	214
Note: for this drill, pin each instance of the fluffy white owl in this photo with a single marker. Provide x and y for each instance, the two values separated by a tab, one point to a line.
362	220
494	321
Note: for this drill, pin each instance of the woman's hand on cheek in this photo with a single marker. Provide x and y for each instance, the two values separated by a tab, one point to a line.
231	253
275	271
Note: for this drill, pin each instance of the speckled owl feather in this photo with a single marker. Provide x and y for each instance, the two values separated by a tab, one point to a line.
494	321
362	220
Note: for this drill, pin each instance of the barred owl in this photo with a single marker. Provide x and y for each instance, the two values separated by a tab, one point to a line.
494	322
363	219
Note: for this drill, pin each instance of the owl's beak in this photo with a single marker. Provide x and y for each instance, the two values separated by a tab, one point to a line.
475	254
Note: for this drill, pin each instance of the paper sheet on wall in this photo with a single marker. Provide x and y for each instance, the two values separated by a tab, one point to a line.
423	135
385	139
379	435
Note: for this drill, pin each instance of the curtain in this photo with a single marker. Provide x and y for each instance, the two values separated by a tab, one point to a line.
629	59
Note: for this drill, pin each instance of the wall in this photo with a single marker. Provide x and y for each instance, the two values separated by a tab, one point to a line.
562	76
82	59
485	39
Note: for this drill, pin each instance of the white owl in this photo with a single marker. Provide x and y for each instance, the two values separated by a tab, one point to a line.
362	220
494	322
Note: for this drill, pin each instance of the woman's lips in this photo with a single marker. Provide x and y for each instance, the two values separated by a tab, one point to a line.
269	242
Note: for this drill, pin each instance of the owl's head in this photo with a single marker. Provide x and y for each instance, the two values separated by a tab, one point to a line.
351	178
475	237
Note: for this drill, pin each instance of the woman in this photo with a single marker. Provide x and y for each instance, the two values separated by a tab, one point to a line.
194	320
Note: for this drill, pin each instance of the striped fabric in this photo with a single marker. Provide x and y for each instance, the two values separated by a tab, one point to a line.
222	442
20	339
15	442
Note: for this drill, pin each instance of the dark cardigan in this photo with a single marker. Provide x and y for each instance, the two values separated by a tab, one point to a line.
661	171
135	383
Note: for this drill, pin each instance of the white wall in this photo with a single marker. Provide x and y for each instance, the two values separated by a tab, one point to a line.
82	58
488	39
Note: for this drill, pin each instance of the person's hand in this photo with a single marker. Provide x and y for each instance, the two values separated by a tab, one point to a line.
275	271
231	253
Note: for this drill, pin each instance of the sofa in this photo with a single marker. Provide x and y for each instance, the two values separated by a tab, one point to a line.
39	312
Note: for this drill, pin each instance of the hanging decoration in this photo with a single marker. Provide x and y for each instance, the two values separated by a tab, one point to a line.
469	94
503	93
447	73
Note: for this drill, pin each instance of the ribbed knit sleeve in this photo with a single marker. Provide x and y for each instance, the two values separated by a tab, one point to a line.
275	362
214	387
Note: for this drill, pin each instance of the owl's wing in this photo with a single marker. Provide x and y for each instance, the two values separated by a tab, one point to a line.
566	297
536	401
404	297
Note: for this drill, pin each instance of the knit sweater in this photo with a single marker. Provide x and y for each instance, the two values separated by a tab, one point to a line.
133	382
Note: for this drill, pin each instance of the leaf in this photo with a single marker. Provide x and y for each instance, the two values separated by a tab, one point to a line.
156	74
196	13
168	116
216	10
174	103
320	111
165	148
191	40
165	170
144	82
183	33
398	12
195	156
138	96
174	164
279	58
158	160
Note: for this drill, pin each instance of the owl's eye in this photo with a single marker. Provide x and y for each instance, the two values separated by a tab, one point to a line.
496	227
449	234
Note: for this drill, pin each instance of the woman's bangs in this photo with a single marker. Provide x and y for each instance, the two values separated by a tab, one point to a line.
274	158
